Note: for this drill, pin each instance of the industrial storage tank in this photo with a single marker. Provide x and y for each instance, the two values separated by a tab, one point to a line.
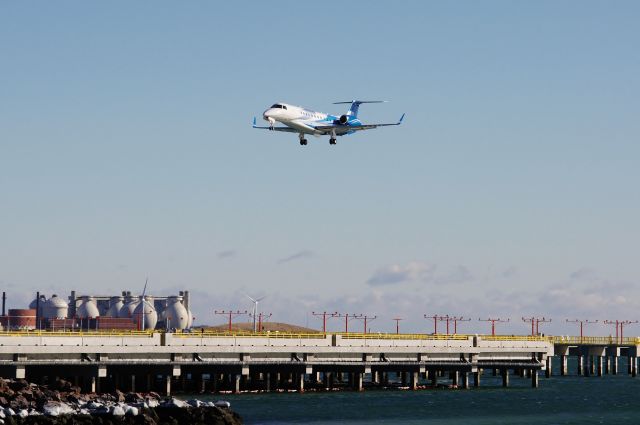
40	306
145	315
175	315
116	304
21	318
130	304
55	308
189	319
88	308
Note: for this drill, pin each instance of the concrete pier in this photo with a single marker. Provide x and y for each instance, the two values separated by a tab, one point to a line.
168	362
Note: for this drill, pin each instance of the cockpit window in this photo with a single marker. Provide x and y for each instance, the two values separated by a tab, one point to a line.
278	106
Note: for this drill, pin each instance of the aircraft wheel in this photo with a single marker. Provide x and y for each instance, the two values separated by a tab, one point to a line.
332	141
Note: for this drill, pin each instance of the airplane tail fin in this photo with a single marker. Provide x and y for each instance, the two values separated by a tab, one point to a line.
355	105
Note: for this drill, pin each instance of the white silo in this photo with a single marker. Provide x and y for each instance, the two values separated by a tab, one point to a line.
150	315
39	305
115	305
88	308
130	304
175	315
189	319
56	308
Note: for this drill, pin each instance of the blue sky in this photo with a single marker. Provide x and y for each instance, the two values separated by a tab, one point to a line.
511	189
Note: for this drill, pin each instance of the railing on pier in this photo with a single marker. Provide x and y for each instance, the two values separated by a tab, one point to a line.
595	340
81	333
355	335
515	338
250	334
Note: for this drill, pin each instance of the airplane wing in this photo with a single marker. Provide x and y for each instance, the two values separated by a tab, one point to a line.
341	129
285	129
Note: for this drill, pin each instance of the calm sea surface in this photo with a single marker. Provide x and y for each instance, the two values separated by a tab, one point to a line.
558	400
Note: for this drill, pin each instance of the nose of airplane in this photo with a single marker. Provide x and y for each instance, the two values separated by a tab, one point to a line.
267	114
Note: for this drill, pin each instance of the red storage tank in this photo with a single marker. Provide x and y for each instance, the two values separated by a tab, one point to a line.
21	318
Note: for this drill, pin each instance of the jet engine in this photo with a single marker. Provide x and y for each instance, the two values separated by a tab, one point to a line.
343	120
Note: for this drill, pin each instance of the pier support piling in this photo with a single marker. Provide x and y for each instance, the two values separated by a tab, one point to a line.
476	379
534	378
563	365
579	364
236	384
599	365
549	367
505	377
357	384
414	381
465	380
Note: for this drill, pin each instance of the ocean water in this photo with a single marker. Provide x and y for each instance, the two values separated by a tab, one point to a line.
559	400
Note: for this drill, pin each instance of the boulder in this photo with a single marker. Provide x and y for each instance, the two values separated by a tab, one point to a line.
55	408
118	396
222	404
131	411
19	385
23	413
174	402
117	411
19	402
194	402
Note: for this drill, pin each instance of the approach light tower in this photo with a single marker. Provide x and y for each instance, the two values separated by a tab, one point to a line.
493	323
324	315
535	323
582	323
230	313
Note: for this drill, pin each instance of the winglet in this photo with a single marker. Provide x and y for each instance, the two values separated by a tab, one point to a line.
400	120
254	122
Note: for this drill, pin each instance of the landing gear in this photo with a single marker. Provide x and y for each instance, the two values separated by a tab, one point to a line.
332	141
303	141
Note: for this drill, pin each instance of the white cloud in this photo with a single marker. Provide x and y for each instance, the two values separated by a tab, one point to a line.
396	273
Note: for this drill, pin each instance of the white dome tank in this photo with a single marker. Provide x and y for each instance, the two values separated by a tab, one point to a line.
56	308
175	315
116	304
41	306
130	304
88	308
189	319
150	314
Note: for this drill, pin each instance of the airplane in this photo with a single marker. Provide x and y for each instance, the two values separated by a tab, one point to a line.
304	121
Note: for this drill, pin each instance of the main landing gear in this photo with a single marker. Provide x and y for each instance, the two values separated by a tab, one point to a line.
303	141
332	141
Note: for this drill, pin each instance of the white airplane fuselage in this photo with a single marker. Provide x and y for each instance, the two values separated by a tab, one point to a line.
297	117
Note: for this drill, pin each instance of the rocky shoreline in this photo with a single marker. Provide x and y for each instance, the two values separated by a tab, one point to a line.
61	403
